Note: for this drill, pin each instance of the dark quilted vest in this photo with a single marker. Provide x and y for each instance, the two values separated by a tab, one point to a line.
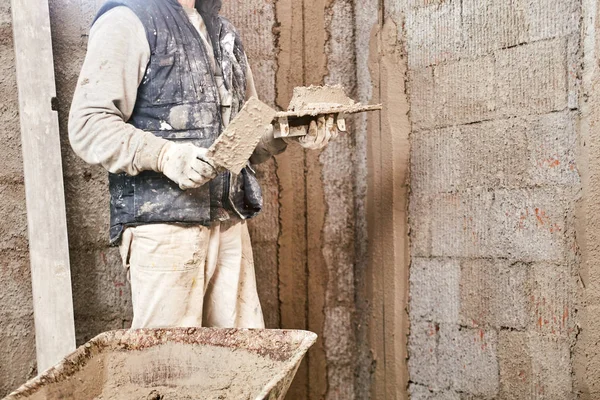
178	100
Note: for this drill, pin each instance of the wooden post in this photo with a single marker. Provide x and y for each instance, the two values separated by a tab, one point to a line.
44	187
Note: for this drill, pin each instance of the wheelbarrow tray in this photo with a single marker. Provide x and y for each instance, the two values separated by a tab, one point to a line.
174	364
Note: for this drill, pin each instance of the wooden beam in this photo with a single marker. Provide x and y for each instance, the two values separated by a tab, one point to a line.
44	187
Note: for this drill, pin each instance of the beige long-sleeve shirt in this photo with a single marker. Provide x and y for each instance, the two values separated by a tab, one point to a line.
116	61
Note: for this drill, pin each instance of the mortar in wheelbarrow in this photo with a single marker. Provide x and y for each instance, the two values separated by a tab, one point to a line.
174	364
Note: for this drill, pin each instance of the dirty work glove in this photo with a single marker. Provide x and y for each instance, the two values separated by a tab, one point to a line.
185	164
320	132
268	147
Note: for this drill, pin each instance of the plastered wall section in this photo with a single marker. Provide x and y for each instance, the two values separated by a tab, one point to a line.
494	89
382	162
585	366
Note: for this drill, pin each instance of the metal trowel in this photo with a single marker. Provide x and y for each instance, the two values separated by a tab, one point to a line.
234	147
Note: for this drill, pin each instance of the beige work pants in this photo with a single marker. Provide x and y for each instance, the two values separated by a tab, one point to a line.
192	276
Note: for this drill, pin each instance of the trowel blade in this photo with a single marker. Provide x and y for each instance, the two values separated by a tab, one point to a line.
232	150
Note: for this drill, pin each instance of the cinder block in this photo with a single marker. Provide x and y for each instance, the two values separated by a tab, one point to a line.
490	25
434	290
435	160
515	365
493	154
494	293
551	365
465	91
418	392
548	19
521	224
529	225
552	145
424	364
532	79
424	104
553	299
100	286
470	355
534	366
420	225
508	153
459	224
434	34
445	357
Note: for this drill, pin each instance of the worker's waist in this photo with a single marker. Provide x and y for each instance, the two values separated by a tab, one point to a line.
153	198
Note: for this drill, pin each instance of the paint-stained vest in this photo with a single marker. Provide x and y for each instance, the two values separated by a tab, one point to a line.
178	100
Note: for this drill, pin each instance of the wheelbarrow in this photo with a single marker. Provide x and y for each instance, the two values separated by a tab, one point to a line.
176	364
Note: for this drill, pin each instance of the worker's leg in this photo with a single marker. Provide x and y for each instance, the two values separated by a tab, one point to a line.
231	299
167	274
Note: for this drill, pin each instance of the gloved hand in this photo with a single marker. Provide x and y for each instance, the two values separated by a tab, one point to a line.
268	147
320	132
185	164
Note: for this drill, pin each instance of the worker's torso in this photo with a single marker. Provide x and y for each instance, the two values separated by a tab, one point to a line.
179	100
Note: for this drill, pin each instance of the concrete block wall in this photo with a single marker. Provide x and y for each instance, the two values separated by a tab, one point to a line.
494	89
481	131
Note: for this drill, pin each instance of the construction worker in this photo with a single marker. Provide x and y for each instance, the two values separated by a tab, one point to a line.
161	80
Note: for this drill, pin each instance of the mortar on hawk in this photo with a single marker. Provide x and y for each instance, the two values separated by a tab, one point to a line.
233	148
311	102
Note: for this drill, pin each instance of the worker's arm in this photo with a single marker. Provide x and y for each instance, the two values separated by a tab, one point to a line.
118	53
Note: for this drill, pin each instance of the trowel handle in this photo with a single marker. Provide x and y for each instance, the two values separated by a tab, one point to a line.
285	127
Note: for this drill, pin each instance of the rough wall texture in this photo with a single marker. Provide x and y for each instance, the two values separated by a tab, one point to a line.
482	118
304	241
494	106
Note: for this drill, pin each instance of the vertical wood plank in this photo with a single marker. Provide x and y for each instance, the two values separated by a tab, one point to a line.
44	187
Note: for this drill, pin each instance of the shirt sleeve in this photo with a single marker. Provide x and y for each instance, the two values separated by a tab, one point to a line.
115	64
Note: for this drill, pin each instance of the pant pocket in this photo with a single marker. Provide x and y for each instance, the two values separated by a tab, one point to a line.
125	247
167	248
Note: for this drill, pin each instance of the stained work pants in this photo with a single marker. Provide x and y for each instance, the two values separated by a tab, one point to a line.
196	276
